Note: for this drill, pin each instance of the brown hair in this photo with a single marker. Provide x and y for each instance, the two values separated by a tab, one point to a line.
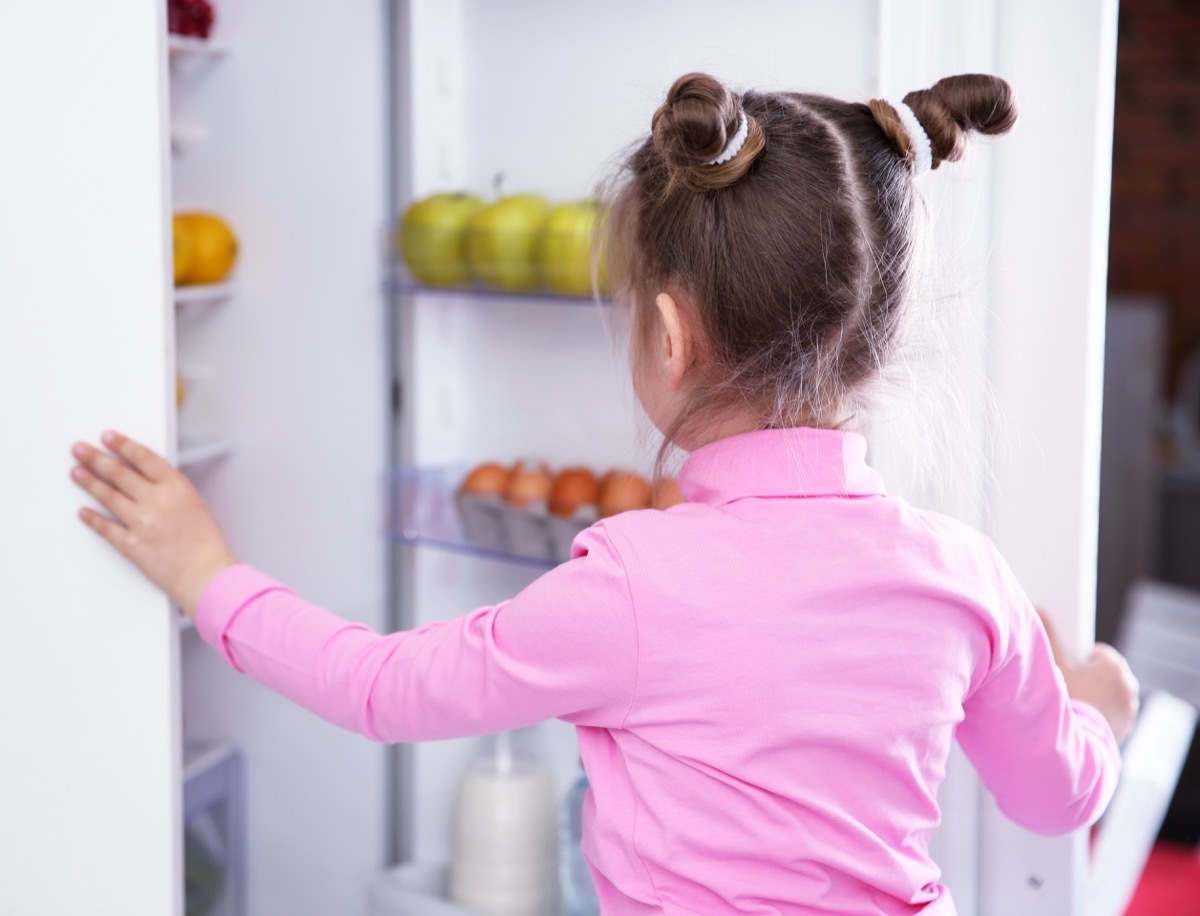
795	256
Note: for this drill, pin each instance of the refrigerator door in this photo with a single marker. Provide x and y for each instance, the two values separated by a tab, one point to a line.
89	765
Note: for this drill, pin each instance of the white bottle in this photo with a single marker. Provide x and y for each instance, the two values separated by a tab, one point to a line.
505	836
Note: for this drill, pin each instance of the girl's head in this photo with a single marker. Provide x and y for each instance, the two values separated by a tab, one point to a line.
766	289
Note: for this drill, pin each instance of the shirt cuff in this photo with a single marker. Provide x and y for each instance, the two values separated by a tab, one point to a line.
227	594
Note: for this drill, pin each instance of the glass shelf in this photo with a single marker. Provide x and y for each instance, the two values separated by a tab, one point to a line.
423	511
399	282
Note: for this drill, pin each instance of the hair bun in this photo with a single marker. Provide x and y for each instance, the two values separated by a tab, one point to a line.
950	110
694	126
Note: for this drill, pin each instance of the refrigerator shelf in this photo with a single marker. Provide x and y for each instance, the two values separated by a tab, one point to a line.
467	549
203	295
423	512
400	283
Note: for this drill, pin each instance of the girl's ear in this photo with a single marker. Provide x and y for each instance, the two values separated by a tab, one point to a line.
676	342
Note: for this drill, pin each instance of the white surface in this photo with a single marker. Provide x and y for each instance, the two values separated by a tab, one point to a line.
1160	637
1049	261
295	162
1153	760
89	759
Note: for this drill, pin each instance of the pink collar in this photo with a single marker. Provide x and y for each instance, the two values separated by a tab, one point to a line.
801	462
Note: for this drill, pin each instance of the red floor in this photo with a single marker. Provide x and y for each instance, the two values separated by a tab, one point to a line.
1170	885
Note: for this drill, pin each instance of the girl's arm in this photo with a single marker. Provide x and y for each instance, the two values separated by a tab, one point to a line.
565	647
1050	760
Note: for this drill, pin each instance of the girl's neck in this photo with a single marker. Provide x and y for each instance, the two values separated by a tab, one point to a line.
729	425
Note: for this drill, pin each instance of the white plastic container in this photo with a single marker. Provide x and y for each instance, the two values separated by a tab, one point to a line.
505	835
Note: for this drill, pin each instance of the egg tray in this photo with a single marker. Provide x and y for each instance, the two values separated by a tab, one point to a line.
490	523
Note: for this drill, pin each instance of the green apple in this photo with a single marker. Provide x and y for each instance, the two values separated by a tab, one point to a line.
566	249
502	241
433	238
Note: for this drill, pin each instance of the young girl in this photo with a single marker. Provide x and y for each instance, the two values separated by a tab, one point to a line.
767	678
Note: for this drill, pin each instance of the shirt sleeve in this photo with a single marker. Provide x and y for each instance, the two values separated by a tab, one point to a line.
564	647
1051	762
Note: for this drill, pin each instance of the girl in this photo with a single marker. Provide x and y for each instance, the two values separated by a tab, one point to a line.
767	678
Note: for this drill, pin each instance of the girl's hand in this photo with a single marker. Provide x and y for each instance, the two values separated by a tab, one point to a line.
1102	680
159	522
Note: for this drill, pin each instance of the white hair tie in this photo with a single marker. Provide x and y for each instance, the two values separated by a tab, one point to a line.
922	148
735	145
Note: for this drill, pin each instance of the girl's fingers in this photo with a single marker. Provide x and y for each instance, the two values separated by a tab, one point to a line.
107	468
104	493
151	465
108	529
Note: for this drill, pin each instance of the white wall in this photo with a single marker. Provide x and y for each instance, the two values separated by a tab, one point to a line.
88	662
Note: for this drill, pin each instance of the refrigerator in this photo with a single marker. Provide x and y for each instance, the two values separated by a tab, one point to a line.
317	381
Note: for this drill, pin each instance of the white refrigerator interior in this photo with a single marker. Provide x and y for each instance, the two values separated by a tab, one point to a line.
289	370
288	135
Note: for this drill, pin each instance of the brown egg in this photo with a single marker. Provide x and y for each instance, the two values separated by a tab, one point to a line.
573	487
487	479
530	483
622	491
665	493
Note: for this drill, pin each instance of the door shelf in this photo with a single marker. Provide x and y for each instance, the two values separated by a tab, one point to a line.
193	453
423	510
214	815
203	295
182	47
185	137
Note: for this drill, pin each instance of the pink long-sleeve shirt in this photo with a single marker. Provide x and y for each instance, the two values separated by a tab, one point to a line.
766	681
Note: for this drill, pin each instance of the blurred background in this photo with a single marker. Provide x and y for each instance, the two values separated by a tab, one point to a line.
1150	457
1154	273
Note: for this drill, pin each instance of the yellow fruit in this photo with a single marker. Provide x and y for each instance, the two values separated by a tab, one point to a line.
181	248
433	238
565	250
211	248
180	390
502	242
